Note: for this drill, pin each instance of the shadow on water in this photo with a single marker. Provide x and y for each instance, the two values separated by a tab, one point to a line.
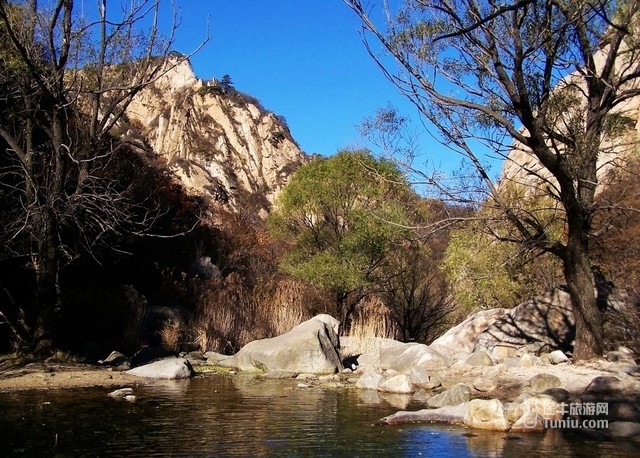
242	416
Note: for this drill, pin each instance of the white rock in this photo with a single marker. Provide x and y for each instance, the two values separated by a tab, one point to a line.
557	357
486	414
170	368
396	384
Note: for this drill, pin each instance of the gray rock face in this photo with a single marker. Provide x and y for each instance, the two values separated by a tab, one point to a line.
547	320
217	146
405	357
311	347
170	368
464	336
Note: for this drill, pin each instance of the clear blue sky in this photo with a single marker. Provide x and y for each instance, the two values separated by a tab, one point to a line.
303	59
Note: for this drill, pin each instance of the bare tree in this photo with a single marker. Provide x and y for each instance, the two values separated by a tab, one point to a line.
66	81
545	76
414	290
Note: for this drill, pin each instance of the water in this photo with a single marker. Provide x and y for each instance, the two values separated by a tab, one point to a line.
240	416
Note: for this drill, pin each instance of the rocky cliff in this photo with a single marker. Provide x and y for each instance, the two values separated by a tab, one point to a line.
218	142
621	141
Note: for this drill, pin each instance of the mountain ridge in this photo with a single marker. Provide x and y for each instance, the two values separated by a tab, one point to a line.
218	142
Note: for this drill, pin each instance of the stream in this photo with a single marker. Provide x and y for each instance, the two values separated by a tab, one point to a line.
218	415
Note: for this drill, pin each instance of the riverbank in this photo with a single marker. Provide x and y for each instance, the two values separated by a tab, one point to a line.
20	374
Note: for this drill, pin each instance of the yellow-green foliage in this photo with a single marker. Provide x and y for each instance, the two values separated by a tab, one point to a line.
486	271
341	215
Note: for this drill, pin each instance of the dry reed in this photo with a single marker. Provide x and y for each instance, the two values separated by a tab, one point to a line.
369	327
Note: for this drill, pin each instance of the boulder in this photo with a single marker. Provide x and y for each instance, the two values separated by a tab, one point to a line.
147	355
486	414
204	269
559	394
310	347
479	358
170	368
215	358
557	357
419	376
620	357
121	393
370	359
529	422
545	321
501	352
453	396
447	414
404	358
399	383
370	380
605	384
541	405
529	360
543	381
464	336
485	384
116	360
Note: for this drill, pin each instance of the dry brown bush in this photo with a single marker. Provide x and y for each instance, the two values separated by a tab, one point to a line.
171	335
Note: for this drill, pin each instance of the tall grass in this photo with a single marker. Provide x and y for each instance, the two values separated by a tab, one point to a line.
228	315
369	327
171	335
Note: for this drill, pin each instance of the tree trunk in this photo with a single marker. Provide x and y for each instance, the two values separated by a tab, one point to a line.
579	277
46	298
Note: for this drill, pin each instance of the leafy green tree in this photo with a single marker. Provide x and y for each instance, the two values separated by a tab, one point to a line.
545	77
342	216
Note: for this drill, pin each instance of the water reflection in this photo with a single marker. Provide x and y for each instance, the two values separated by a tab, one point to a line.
243	416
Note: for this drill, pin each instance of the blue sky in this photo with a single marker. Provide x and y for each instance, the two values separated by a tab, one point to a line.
303	59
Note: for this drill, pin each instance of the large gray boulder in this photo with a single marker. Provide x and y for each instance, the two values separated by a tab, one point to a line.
169	368
464	336
310	348
546	320
405	357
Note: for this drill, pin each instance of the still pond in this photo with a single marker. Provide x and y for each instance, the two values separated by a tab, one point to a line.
241	416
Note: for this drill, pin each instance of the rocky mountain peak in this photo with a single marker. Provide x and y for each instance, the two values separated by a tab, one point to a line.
219	142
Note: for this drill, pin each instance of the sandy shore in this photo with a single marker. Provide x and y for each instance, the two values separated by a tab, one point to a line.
19	375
